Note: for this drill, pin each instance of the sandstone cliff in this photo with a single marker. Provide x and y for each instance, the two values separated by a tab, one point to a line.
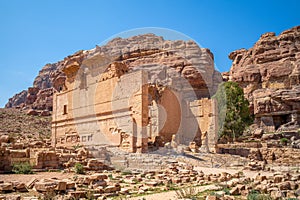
39	96
269	72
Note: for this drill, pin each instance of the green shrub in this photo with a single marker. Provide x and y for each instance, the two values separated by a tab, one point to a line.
171	186
126	172
110	176
284	141
227	191
78	167
255	195
22	168
77	146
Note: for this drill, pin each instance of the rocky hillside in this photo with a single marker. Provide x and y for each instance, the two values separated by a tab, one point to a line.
269	72
17	125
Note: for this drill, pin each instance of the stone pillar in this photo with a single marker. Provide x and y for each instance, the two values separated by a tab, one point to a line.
212	135
54	124
140	104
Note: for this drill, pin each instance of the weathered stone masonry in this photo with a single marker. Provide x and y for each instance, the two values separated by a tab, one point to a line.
136	98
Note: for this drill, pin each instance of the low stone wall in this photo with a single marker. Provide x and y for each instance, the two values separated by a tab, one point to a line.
8	157
51	158
257	151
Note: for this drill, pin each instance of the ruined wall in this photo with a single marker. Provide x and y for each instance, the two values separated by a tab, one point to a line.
257	151
38	158
105	113
205	112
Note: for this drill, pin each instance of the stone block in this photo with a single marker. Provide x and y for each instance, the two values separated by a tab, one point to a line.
61	185
45	186
6	187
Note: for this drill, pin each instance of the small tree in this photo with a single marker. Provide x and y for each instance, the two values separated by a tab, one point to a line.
79	168
233	110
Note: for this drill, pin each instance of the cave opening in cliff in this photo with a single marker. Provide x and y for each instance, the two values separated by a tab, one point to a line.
280	120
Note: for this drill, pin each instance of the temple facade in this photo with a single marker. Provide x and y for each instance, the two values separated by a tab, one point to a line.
106	101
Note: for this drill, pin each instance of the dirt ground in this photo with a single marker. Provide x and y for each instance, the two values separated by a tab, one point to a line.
171	195
40	175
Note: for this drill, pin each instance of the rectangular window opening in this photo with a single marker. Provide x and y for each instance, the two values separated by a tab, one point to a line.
65	109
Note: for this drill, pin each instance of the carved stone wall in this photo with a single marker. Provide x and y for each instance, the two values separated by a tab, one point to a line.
128	95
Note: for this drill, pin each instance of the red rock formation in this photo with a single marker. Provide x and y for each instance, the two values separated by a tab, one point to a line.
40	95
269	72
17	100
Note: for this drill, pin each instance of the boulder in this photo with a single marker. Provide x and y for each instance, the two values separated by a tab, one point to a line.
111	189
4	139
61	185
13	197
258	133
6	187
32	112
212	197
98	177
284	186
45	113
45	185
278	178
235	191
20	187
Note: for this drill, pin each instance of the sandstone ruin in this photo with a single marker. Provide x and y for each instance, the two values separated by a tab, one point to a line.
136	92
145	92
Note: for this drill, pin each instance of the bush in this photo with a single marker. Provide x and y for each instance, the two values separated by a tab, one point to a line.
79	168
284	141
22	168
227	191
255	195
126	172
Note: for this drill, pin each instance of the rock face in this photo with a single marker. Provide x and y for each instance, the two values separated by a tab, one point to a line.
38	97
269	72
17	100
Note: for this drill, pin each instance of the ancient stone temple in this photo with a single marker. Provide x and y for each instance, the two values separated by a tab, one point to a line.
136	93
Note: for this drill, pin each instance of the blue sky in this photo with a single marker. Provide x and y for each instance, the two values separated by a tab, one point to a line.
35	32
